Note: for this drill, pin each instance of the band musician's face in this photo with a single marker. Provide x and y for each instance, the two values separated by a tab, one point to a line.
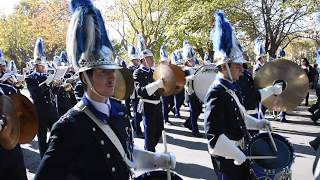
103	81
135	62
149	61
40	68
236	70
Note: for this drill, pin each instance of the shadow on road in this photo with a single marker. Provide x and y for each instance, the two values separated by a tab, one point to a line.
187	144
195	171
31	158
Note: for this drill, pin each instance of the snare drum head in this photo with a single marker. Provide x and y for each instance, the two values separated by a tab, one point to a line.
260	145
203	79
157	175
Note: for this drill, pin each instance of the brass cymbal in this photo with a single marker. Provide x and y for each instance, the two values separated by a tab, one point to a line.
26	114
124	84
169	80
180	78
295	80
9	135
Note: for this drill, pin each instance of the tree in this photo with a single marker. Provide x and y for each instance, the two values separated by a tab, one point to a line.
279	22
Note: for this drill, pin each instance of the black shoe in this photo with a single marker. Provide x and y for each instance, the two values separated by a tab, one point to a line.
311	111
187	126
314	145
283	120
197	135
314	119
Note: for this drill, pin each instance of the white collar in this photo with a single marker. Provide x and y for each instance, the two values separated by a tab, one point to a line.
101	107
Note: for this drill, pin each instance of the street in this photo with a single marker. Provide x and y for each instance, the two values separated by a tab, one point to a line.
193	160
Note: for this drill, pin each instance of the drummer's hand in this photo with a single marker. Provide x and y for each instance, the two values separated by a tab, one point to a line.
165	159
191	77
277	88
49	79
240	159
264	124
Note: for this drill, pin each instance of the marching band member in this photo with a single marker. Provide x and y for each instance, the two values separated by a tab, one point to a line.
207	59
137	117
226	121
94	139
65	95
149	104
167	101
260	54
42	94
12	163
195	106
177	59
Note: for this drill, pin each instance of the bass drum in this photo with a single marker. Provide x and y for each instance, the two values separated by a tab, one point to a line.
278	168
157	175
203	78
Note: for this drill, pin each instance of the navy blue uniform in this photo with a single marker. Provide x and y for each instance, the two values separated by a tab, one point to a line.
137	117
150	106
250	94
65	100
11	161
195	108
167	106
222	116
43	99
178	101
79	149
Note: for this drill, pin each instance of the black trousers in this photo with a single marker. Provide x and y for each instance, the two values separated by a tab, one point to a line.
137	117
153	125
47	116
12	165
227	170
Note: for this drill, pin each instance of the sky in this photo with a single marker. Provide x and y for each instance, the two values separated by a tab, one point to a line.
6	6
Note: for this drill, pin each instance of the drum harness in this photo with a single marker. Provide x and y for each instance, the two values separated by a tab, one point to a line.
243	111
109	133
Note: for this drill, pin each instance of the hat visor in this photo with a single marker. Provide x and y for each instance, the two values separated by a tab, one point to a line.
109	66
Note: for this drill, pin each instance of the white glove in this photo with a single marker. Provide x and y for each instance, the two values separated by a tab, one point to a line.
5	77
270	90
149	160
255	124
49	79
226	148
188	85
277	88
154	86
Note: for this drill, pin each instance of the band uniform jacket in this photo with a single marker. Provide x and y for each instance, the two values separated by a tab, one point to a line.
134	93
250	94
80	150
65	100
142	77
222	115
43	97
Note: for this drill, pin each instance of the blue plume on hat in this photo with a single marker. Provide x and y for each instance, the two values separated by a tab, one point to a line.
39	49
163	52
88	45
259	47
1	54
63	57
187	51
177	57
132	53
318	57
206	56
282	53
141	43
12	66
75	4
225	44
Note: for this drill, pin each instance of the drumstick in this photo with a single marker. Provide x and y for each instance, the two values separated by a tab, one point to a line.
164	136
271	139
261	157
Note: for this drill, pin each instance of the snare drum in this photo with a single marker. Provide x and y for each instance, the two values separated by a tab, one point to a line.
203	78
157	175
278	168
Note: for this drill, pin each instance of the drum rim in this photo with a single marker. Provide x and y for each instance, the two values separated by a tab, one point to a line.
264	170
147	174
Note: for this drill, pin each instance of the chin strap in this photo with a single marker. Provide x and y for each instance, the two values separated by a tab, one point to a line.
229	72
91	86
